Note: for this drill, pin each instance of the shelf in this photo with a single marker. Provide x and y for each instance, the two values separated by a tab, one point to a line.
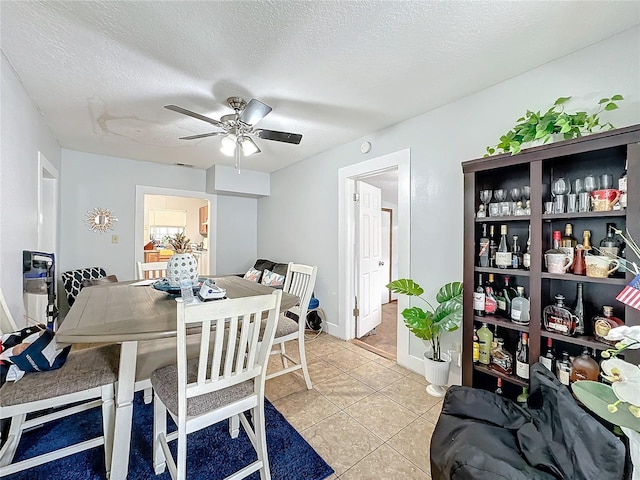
501	322
503	271
584	279
509	378
506	218
564	216
583	340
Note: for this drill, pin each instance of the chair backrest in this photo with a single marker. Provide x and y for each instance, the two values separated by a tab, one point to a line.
7	325
300	281
73	279
152	270
235	354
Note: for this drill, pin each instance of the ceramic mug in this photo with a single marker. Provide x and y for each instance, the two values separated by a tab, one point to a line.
604	200
598	265
558	262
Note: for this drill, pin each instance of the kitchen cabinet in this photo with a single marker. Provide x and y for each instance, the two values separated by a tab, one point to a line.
167	218
204	220
151	256
606	152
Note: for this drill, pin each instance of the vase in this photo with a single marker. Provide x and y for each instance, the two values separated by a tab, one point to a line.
182	266
437	374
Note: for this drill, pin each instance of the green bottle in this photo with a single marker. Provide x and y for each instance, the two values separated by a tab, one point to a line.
522	398
485	339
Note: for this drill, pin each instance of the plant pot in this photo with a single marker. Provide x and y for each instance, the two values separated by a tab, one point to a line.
437	374
182	266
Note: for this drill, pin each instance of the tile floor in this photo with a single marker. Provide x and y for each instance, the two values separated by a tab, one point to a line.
366	416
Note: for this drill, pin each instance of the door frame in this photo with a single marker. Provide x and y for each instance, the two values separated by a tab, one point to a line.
347	177
390	211
142	190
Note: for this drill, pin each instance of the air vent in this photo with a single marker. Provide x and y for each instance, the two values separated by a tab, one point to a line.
186	165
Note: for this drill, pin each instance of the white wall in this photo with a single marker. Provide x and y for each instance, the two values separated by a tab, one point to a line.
24	132
299	220
237	234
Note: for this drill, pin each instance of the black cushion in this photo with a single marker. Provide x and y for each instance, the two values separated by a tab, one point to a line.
262	263
280	268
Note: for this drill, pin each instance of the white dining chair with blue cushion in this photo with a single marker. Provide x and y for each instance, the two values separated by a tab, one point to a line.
224	381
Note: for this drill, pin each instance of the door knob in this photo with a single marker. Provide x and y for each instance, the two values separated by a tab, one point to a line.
380	263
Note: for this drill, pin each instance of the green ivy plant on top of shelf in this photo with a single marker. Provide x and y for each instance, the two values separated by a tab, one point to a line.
536	126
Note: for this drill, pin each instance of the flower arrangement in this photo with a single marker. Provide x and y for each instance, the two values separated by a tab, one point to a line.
180	243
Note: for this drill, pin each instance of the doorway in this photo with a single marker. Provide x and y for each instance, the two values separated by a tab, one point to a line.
347	178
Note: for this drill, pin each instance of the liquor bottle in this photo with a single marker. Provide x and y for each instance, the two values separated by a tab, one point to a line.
501	360
578	311
522	358
610	245
483	256
522	398
603	323
549	357
556	242
564	369
503	254
485	338
509	293
493	246
476	347
479	298
499	391
584	367
579	266
520	308
568	241
490	302
622	186
559	318
526	257
516	254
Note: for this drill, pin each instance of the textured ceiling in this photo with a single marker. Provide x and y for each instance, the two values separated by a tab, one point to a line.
333	71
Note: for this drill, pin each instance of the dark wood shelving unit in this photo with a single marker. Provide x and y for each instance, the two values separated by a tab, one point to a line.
605	152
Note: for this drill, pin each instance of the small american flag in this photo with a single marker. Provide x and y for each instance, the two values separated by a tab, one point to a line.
630	295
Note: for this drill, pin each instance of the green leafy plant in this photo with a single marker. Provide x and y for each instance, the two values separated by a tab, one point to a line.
431	324
541	126
180	243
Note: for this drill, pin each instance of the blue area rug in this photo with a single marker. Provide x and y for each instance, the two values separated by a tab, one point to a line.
212	453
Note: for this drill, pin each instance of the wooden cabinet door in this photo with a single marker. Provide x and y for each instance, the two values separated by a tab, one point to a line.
204	217
151	257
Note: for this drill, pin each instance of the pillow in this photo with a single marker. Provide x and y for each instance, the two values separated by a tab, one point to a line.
263	263
99	281
253	275
272	279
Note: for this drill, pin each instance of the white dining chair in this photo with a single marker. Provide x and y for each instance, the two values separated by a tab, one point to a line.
223	382
300	281
85	381
152	270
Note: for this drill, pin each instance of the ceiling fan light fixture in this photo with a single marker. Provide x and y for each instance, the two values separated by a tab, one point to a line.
228	145
249	147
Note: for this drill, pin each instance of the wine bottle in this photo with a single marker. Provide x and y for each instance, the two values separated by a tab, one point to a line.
526	257
549	357
490	302
522	398
485	339
610	245
568	241
483	256
499	391
522	358
476	347
520	308
503	254
563	369
493	246
622	186
516	254
479	298
507	294
578	311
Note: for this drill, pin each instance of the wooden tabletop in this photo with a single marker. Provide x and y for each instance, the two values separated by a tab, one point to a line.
119	312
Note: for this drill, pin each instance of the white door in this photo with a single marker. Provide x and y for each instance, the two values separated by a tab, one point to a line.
385	256
368	242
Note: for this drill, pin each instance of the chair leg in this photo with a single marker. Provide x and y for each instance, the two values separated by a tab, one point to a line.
148	395
234	426
159	432
13	439
283	357
303	361
181	461
108	423
261	439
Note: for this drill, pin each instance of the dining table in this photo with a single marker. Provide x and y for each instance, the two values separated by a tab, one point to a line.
129	313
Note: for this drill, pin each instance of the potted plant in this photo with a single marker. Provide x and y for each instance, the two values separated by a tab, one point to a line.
536	126
183	264
429	326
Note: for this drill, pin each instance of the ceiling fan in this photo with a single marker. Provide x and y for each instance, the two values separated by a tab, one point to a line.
237	128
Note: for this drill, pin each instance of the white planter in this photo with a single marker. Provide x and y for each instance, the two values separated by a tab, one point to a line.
182	266
437	374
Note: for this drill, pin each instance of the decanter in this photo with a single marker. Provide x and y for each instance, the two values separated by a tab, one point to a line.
605	322
501	360
559	318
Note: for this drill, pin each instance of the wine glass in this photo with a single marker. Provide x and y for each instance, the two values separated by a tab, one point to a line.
485	197
500	194
606	181
526	192
516	193
559	188
578	186
591	183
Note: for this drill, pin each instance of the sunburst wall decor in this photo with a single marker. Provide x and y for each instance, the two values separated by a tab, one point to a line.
100	220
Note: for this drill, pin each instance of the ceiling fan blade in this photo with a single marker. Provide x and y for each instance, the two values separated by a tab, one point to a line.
193	137
279	136
254	112
184	111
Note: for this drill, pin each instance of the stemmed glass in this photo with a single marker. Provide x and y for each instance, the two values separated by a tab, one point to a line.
485	197
500	194
526	193
560	188
578	186
591	183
